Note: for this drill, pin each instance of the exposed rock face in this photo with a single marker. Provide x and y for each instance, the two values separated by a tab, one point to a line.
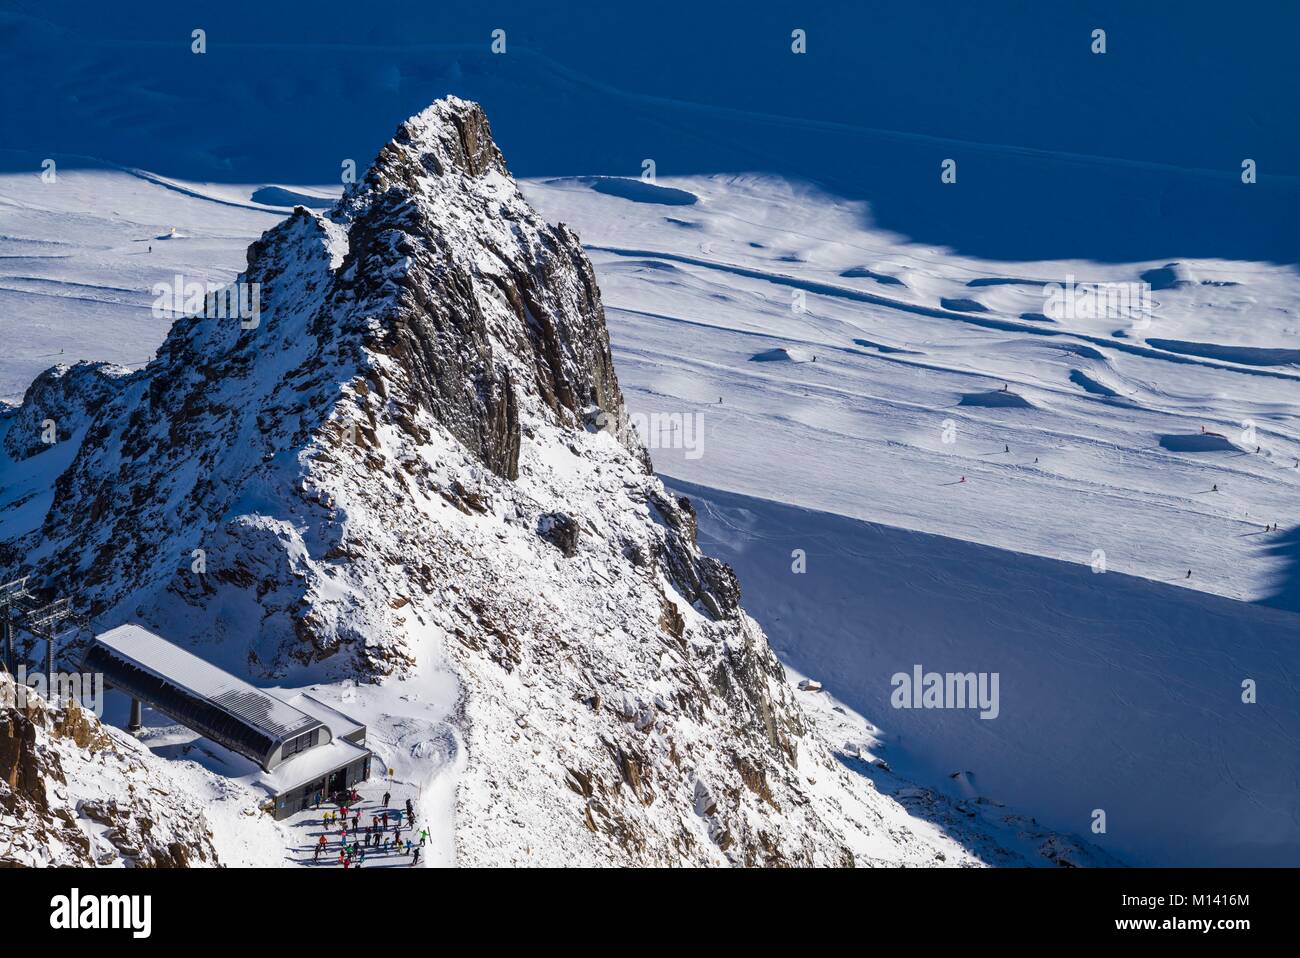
471	267
560	531
354	486
59	403
72	792
432	298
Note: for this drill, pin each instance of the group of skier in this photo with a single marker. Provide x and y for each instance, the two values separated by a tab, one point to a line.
382	836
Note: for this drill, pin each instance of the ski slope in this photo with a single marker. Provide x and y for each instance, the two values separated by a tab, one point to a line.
1116	693
978	487
1091	410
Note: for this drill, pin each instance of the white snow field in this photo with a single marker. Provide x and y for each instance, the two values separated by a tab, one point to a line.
966	469
848	382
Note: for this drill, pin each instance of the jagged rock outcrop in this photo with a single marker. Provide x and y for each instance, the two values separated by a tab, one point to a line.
560	531
353	487
59	403
75	793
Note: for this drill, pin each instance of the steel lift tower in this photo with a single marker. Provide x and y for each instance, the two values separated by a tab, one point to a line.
14	601
45	622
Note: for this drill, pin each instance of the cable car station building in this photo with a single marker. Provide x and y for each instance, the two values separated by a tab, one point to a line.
303	747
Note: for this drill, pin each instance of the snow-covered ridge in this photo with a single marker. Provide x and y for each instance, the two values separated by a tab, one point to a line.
396	475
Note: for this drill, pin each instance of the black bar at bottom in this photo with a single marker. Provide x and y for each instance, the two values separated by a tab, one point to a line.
925	906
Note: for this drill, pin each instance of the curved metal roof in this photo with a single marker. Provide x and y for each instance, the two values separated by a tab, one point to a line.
196	693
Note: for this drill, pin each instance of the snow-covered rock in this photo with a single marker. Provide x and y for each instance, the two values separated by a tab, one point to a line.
74	792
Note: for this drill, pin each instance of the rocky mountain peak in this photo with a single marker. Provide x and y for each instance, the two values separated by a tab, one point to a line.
473	295
395	473
451	135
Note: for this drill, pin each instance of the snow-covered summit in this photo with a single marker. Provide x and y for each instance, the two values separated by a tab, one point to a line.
409	468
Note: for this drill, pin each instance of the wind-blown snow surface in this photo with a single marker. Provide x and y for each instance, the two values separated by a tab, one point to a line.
943	401
694	292
1141	707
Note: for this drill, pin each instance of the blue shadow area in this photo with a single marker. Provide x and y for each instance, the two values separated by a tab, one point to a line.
1134	154
1285	593
1117	692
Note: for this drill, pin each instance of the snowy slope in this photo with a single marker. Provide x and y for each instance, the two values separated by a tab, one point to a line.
1098	456
1116	693
1122	691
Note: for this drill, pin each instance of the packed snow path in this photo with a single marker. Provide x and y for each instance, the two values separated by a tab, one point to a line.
382	835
